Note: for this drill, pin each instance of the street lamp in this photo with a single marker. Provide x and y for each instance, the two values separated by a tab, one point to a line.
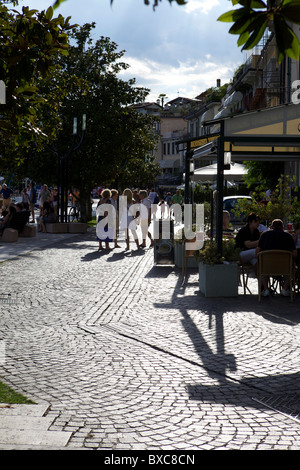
227	160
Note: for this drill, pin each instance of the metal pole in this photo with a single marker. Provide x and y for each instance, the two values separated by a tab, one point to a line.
188	155
220	182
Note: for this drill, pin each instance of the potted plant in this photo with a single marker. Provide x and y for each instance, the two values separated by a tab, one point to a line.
218	275
179	238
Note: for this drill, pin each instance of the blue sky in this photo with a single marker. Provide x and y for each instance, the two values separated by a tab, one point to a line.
175	50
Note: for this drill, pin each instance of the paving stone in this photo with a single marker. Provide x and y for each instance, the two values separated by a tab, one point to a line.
126	356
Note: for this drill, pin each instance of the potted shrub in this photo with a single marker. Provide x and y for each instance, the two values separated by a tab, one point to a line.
218	275
191	262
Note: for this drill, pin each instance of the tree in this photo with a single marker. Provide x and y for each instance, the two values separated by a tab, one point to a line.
263	174
30	42
117	138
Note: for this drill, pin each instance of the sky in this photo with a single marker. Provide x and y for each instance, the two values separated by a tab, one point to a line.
175	50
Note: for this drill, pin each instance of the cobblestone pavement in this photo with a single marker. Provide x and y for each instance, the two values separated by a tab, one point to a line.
129	357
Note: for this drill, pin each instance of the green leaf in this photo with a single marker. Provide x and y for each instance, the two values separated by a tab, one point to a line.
57	3
250	3
260	27
286	40
49	13
233	15
243	38
241	25
291	11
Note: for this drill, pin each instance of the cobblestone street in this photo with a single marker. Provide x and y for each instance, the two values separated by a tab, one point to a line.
129	357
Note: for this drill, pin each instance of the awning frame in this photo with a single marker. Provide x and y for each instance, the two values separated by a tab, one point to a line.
283	147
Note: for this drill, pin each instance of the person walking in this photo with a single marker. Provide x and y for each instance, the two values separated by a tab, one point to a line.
32	200
44	196
6	193
145	217
114	200
104	233
127	218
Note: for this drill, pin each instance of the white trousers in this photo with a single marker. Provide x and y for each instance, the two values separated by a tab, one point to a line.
249	256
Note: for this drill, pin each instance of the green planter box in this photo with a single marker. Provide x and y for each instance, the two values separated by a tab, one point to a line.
191	262
218	280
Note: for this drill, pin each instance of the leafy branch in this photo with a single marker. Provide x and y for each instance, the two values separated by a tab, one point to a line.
251	20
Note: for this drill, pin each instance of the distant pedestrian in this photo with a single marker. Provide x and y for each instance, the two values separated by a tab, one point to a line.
25	198
104	233
153	196
32	200
114	200
127	218
6	193
177	198
145	217
168	199
44	196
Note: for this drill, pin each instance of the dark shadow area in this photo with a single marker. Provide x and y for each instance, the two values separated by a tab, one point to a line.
217	363
162	271
285	386
93	255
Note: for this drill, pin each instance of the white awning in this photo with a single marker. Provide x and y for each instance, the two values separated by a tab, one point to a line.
234	98
225	112
208	115
209	173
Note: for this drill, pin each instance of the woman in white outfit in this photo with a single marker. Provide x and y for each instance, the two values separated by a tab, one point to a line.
127	217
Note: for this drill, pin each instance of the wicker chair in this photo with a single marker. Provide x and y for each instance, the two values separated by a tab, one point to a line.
274	263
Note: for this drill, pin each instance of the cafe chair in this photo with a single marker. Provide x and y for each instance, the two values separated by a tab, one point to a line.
274	264
244	272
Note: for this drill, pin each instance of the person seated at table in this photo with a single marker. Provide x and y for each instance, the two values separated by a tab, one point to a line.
48	216
8	218
276	239
247	240
227	228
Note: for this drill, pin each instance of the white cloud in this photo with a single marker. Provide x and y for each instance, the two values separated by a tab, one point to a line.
201	6
187	79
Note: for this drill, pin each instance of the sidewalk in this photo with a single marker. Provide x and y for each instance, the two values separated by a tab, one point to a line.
127	357
25	245
41	241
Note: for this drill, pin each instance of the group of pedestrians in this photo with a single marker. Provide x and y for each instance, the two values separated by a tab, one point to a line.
45	199
126	214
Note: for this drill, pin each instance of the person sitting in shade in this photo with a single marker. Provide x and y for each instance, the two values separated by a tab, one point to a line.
276	239
227	228
247	240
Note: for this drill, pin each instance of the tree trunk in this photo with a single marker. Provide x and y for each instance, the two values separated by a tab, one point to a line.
85	205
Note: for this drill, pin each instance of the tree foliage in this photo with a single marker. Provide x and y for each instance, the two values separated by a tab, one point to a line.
254	16
30	43
118	139
263	174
